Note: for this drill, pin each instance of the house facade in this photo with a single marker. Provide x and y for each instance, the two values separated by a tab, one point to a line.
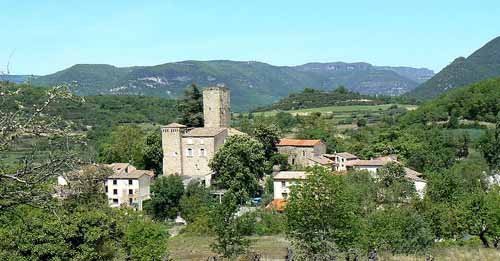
128	186
284	180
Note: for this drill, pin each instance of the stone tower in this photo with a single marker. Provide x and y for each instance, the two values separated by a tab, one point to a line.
216	111
171	137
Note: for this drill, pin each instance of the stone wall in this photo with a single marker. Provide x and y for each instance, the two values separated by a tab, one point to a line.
216	107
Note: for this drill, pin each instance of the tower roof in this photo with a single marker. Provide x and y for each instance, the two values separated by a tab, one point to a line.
174	125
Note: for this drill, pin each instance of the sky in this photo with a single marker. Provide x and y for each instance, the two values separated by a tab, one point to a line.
42	37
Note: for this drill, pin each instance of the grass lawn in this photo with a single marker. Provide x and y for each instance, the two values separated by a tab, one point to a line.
186	247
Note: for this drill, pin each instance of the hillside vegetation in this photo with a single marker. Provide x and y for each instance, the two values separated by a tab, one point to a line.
252	84
101	110
311	98
477	102
482	64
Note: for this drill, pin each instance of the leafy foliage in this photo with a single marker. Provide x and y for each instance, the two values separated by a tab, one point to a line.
321	217
239	165
228	228
191	107
166	192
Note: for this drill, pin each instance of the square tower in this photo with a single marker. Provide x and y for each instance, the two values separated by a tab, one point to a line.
172	148
216	109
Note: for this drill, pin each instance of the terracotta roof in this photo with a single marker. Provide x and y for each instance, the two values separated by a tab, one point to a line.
298	143
233	132
291	175
346	155
135	174
174	125
321	160
277	204
366	163
388	158
121	167
413	175
204	132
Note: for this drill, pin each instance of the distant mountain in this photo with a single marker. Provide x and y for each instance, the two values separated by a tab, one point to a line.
482	64
252	84
16	78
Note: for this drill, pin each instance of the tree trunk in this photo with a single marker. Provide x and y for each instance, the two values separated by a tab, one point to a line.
483	238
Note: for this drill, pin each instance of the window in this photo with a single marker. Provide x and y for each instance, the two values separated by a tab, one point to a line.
283	184
284	195
202	153
303	153
130	182
106	189
130	201
131	192
190	152
115	182
115	192
115	201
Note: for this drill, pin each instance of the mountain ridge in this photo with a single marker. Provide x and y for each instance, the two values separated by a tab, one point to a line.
484	63
252	83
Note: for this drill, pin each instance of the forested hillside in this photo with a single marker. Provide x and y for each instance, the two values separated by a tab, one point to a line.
100	110
477	102
312	98
482	64
252	84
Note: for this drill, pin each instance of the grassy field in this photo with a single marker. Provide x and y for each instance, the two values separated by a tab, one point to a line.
186	247
337	110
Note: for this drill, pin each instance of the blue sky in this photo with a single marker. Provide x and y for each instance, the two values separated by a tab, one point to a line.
47	36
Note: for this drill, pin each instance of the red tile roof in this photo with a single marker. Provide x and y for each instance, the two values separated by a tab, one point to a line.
298	143
277	204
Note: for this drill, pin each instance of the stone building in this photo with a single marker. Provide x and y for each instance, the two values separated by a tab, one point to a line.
303	152
187	151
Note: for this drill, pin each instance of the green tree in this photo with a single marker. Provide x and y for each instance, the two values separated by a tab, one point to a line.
191	107
195	202
166	193
399	230
145	240
239	165
393	185
153	152
480	214
123	144
228	228
81	234
489	145
322	217
269	136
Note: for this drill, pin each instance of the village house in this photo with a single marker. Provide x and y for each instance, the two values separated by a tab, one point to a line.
341	159
284	180
373	166
304	153
126	186
188	151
